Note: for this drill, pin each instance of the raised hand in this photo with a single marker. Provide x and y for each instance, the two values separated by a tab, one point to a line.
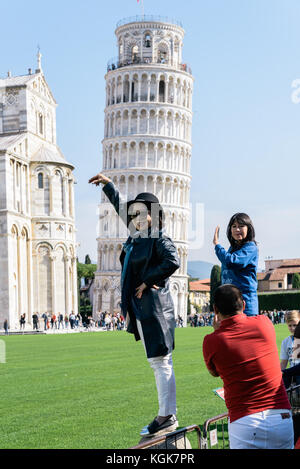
216	235
99	179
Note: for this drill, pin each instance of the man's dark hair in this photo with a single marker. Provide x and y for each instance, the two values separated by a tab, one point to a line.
228	300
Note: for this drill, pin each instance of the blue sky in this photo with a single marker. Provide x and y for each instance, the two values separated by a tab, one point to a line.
244	56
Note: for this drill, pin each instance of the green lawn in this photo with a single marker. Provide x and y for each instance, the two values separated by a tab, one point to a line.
96	389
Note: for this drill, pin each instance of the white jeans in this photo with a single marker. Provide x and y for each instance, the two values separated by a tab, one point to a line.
263	430
165	380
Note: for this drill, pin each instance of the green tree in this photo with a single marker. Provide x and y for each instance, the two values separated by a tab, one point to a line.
87	259
90	271
296	281
188	305
86	272
85	308
87	262
190	279
215	282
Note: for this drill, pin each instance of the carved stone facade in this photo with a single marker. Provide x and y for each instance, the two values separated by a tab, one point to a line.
38	271
147	145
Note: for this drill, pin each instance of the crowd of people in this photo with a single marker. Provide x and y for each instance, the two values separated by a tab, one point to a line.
51	321
105	321
110	321
116	322
206	319
201	319
276	316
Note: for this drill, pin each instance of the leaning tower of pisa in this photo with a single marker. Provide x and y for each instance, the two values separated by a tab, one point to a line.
147	144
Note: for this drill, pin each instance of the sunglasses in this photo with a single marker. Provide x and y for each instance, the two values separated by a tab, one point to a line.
134	215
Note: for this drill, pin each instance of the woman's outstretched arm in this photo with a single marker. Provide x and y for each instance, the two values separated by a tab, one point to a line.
99	179
112	193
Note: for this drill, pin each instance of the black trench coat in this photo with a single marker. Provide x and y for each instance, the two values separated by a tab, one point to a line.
152	261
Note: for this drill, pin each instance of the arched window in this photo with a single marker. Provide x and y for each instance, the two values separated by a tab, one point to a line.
41	126
40	181
162	53
161	91
147	40
162	56
134	55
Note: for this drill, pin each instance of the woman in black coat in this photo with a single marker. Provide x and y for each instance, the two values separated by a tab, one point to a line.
148	259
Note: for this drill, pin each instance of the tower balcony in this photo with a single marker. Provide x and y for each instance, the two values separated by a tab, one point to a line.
149	18
115	63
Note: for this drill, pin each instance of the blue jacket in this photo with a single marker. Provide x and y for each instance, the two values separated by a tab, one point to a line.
240	269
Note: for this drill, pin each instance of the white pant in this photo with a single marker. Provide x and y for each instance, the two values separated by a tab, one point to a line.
165	380
263	430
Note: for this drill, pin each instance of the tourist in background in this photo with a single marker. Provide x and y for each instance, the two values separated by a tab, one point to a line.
66	321
72	320
45	317
60	320
35	321
22	321
292	319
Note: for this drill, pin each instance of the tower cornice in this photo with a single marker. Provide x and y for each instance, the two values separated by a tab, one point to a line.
149	24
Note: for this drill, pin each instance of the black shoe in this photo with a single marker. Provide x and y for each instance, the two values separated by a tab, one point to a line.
155	427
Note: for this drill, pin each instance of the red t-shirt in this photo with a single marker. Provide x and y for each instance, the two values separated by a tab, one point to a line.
243	352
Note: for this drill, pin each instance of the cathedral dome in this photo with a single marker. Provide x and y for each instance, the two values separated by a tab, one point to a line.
47	155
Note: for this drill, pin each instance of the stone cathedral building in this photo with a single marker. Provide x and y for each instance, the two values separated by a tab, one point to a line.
37	232
147	144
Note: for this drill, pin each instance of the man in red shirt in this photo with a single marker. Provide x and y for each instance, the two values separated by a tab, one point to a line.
242	350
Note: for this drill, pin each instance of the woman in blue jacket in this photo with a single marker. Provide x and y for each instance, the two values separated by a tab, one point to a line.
239	263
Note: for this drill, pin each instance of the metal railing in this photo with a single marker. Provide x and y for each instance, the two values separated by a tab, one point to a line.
153	18
115	63
214	435
173	440
214	430
293	393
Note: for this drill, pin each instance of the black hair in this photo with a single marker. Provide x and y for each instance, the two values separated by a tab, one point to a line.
228	300
242	219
